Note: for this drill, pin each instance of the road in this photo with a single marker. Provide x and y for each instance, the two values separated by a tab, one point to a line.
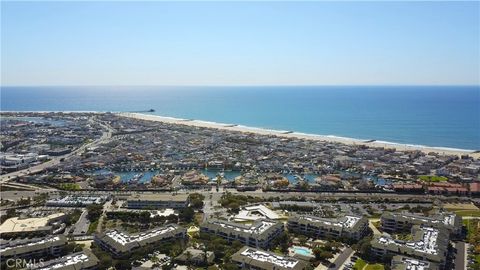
81	227
16	195
209	203
106	206
107	134
461	256
341	259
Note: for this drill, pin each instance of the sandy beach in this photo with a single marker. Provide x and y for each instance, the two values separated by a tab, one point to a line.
292	134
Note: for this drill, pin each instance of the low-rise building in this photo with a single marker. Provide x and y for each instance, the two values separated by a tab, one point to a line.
260	234
158	201
350	227
403	222
407	263
428	244
120	243
9	159
252	258
474	189
84	260
17	227
76	201
33	247
254	212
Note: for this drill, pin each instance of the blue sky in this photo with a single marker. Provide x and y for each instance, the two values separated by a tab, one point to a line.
249	43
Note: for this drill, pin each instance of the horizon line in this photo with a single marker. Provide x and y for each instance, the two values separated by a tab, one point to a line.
244	85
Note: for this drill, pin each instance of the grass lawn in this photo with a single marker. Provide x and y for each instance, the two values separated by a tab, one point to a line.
198	217
404	236
468	213
460	206
92	227
70	186
470	225
375	216
376	266
432	178
359	264
111	224
278	251
363	265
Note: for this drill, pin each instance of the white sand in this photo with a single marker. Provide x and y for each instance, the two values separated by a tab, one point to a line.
280	133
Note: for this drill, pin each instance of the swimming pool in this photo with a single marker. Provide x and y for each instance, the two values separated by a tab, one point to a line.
304	251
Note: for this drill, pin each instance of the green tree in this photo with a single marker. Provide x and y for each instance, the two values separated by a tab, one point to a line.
363	247
175	250
283	242
186	214
94	212
302	239
230	266
123	265
196	200
9	214
73	217
321	254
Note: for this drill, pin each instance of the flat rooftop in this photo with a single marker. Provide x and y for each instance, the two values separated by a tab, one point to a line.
445	218
125	239
266	259
17	224
427	242
256	228
255	212
159	197
343	222
78	260
407	263
30	243
73	200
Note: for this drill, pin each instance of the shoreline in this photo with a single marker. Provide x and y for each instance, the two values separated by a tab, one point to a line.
280	133
300	135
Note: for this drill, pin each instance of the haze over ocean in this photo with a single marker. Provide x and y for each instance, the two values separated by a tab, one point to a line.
440	116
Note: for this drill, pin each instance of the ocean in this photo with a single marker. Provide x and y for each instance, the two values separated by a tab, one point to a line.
436	116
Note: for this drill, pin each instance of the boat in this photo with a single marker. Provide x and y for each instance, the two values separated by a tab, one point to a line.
136	177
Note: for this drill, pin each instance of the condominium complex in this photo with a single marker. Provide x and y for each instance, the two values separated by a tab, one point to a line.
260	234
407	263
33	247
398	222
120	243
84	260
351	227
428	244
158	201
252	258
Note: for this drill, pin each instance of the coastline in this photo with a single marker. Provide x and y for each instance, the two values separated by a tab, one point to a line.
299	135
